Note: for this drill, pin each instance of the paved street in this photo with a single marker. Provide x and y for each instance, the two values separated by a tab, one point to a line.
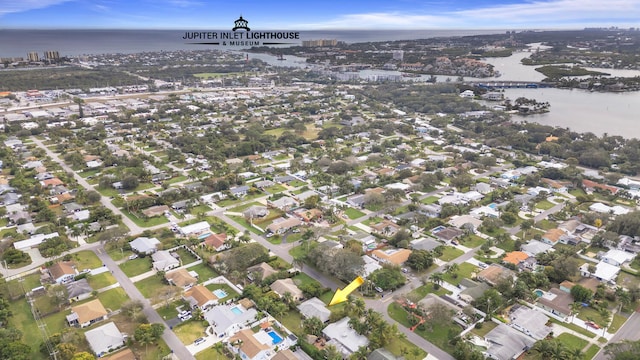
105	201
629	331
168	336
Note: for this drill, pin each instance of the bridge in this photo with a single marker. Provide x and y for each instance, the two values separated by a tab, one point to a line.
509	84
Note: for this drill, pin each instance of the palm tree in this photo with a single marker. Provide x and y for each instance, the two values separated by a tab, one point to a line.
360	354
359	307
575	308
452	269
332	353
436	278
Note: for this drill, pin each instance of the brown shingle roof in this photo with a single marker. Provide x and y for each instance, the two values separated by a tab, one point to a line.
89	311
180	277
61	268
248	343
200	294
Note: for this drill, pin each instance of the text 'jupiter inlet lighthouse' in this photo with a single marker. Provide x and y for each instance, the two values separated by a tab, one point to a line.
237	37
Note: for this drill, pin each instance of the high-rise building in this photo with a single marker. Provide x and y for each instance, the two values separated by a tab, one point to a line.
33	56
398	55
320	42
51	55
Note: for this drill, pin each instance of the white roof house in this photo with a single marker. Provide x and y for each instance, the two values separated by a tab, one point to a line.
344	337
164	261
104	339
604	272
370	265
35	240
144	245
617	257
314	307
195	229
226	320
531	322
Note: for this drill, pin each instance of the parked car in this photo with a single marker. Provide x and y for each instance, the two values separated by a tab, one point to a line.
592	324
379	289
132	257
199	341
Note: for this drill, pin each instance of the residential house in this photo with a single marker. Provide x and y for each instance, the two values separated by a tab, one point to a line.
356	201
33	241
446	234
81	215
256	212
284	203
382	354
556	302
386	228
465	222
87	314
260	271
552	236
282	225
617	257
515	257
164	261
182	278
425	244
200	297
239	191
196	229
604	272
62	272
430	210
472	290
226	320
308	215
286	354
529	321
314	307
248	347
535	247
506	343
392	256
144	245
104	339
216	242
78	290
494	273
283	286
157	210
346	340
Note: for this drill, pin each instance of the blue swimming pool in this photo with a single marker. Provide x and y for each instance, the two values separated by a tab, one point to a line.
236	310
538	292
492	205
277	339
219	293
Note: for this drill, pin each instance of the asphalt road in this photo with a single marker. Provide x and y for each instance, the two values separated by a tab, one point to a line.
629	331
169	337
105	201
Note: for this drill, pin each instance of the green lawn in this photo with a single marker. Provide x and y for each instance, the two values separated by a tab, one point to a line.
205	272
449	253
147	222
119	254
353	213
292	320
471	241
277	188
86	173
546	224
545	205
400	346
574	327
616	324
99	281
572	341
202	208
136	267
109	192
113	299
170	311
226	288
185	256
242	221
23	321
591	352
188	331
464	271
438	335
419	293
149	286
86	260
484	330
429	200
210	354
588	313
177	179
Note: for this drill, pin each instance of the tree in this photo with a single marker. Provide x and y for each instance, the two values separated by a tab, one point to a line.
526	225
66	351
581	294
624	350
489	302
146	334
130	182
388	278
420	260
332	353
83	356
132	308
58	294
312	326
79	102
436	278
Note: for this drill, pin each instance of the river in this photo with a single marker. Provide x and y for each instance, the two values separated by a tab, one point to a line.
579	110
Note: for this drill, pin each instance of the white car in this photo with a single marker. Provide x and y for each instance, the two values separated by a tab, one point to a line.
132	257
199	341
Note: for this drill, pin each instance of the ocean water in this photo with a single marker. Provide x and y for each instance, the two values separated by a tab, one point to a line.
17	43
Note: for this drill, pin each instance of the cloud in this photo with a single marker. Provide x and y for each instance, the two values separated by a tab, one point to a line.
184	3
540	13
15	6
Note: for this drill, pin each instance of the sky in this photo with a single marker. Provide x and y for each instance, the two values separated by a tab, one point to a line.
319	15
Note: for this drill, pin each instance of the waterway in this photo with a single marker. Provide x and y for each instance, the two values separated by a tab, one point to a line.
578	110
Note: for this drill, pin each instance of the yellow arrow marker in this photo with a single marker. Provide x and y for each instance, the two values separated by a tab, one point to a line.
341	295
